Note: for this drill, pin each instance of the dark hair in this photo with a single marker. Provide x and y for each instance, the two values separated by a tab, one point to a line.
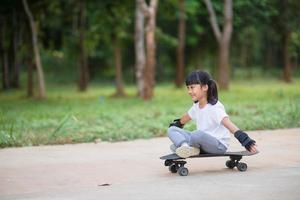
203	78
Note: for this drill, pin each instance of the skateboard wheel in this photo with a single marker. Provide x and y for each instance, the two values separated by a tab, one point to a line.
182	171
168	162
230	164
242	167
173	168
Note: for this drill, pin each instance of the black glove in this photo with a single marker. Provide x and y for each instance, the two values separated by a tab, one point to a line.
177	123
244	139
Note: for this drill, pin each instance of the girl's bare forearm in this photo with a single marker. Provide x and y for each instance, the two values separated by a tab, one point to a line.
229	125
185	119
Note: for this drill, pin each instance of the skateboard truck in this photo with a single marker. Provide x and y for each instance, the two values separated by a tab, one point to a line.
177	166
235	162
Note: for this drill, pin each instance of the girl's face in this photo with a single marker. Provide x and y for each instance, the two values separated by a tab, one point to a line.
197	91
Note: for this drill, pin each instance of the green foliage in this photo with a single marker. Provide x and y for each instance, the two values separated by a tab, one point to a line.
294	43
70	117
257	31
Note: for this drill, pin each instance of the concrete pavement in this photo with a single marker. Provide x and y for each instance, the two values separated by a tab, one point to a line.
133	170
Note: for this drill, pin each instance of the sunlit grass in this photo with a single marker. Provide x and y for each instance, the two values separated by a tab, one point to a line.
68	116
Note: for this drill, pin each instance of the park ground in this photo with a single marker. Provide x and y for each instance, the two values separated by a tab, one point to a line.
133	170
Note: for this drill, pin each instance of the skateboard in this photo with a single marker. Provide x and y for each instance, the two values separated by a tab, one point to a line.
176	163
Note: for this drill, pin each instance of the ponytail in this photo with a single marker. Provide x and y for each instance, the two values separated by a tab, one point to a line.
212	92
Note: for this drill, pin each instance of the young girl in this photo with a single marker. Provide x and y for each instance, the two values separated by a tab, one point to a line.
213	124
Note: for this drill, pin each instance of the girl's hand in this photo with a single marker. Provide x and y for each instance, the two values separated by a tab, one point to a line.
245	140
176	122
253	148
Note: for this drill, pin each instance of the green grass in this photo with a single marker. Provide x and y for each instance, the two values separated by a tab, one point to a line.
68	116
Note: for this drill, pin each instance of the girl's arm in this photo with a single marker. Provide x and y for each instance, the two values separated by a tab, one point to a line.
229	125
181	122
185	119
240	135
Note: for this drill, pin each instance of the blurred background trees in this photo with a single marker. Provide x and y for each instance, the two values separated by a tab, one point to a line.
145	42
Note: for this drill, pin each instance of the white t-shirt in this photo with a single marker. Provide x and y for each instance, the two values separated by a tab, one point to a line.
208	120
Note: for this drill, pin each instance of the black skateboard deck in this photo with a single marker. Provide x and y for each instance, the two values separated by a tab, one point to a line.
176	163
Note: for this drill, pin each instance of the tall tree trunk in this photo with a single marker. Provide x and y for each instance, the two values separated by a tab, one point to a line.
149	71
118	65
83	65
6	83
30	91
139	48
223	68
42	88
16	63
151	50
225	46
181	45
286	58
4	55
223	40
269	59
244	59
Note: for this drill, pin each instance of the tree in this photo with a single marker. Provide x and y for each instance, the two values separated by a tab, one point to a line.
181	45
82	64
287	22
16	46
120	92
118	19
139	48
223	39
38	63
4	53
145	65
29	63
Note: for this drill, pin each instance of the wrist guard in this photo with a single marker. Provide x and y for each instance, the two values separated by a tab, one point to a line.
177	123
244	139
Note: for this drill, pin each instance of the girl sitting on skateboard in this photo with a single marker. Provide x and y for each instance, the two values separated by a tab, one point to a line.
213	123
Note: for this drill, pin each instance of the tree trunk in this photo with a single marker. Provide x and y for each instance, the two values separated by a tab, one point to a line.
139	48
83	66
223	68
150	49
225	46
6	83
244	59
181	45
223	40
4	55
118	65
286	58
148	73
30	92
16	64
42	89
269	59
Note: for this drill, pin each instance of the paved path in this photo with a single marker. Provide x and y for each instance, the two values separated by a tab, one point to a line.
132	170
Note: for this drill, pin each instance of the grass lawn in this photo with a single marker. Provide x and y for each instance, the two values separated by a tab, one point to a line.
68	116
